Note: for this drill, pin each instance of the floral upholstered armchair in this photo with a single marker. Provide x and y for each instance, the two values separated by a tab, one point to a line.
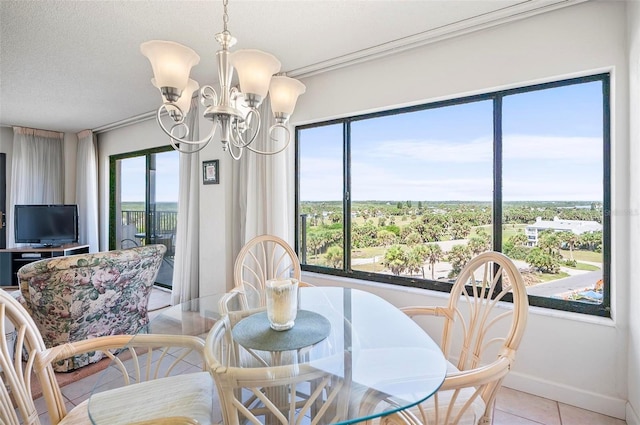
83	296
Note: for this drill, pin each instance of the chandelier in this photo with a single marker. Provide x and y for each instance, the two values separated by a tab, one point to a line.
234	110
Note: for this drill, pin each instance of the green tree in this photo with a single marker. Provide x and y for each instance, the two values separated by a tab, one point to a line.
420	253
395	259
458	257
315	241
543	261
415	261
571	240
478	244
412	239
460	230
434	254
519	239
334	256
386	237
516	246
549	241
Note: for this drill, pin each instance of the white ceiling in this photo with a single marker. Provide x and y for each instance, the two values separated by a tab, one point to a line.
75	65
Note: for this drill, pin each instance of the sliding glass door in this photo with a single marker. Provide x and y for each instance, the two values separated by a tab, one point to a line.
144	203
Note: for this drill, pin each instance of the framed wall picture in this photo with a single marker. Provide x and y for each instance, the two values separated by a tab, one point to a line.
211	171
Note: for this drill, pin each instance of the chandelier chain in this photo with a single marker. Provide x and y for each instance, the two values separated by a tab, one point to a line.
225	15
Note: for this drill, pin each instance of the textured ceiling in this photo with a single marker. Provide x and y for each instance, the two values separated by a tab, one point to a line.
75	65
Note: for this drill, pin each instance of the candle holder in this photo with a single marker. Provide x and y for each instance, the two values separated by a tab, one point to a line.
282	303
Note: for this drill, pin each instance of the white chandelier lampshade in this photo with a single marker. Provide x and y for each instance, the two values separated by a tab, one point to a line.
171	63
181	106
284	92
255	69
233	109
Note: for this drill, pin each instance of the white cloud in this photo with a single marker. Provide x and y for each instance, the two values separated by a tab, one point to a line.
478	150
575	149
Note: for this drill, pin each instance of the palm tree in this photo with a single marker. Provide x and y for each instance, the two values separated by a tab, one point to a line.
434	255
415	261
386	237
458	257
334	256
395	259
549	240
571	239
519	239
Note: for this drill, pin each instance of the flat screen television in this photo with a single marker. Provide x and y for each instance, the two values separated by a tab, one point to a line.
46	225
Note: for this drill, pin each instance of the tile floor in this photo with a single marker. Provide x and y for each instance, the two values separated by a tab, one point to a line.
518	408
512	407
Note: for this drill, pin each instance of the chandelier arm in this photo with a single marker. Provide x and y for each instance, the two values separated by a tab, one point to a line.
177	147
231	147
208	96
236	134
271	132
169	133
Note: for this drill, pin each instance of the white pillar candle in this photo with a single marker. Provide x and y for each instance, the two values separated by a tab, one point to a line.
282	303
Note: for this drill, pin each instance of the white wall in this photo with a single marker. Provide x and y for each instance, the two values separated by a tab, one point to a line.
576	359
633	408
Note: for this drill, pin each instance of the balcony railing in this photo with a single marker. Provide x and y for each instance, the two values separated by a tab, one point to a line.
165	221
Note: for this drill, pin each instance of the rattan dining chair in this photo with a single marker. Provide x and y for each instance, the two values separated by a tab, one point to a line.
480	338
291	392
262	258
162	391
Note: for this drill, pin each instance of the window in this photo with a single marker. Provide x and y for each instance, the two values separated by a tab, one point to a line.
144	203
408	196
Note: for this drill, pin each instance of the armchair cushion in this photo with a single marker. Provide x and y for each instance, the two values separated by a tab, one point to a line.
83	296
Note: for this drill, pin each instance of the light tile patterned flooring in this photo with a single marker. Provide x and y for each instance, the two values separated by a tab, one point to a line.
518	408
512	407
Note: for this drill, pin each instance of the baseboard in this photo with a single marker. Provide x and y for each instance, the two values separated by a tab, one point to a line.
632	416
600	403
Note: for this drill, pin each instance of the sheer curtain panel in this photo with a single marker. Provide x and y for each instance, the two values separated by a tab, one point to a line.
261	189
37	175
186	284
87	190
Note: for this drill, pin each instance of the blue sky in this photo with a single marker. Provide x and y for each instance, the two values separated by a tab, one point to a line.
552	150
133	178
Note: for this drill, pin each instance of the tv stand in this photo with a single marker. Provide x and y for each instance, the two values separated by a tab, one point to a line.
19	256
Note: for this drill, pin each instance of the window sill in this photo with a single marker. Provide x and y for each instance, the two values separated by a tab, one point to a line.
331	280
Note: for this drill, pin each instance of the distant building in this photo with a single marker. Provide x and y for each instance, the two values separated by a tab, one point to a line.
576	226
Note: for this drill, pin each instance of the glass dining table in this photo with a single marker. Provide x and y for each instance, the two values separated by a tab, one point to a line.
379	349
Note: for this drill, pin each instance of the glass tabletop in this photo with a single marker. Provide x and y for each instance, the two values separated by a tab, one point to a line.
390	363
383	359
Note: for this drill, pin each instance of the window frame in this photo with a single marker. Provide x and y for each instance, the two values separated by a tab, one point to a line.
603	309
112	185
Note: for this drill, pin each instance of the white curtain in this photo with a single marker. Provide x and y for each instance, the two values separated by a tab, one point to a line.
87	190
37	174
186	265
262	189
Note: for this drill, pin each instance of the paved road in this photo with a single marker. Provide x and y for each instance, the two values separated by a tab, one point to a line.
576	282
